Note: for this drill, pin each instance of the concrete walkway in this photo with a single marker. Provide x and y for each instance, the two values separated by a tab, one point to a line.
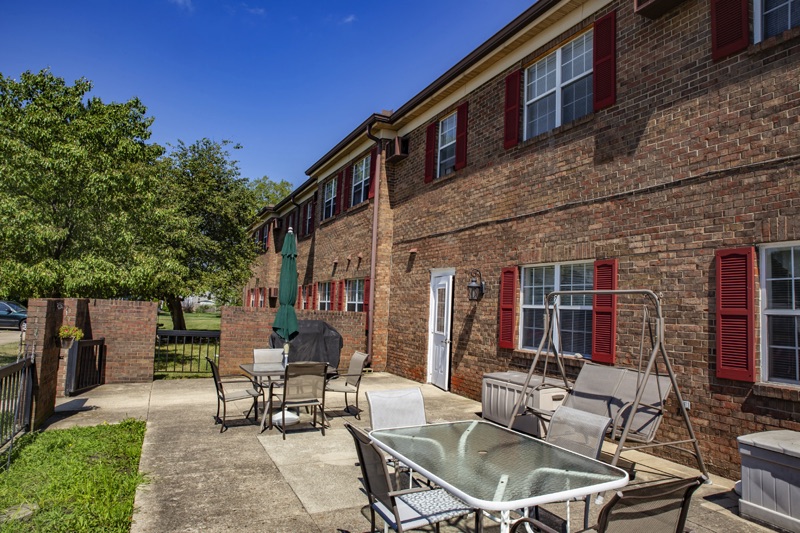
240	480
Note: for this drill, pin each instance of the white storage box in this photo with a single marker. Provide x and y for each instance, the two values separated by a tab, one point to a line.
771	478
501	390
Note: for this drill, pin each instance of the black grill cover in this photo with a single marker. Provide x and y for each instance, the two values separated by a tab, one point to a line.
316	341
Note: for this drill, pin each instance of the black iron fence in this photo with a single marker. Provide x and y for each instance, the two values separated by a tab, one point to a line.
86	365
16	391
180	351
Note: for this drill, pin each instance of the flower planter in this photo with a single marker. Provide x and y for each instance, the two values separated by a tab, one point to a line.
66	343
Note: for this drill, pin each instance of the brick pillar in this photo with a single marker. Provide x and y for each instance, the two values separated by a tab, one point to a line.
44	319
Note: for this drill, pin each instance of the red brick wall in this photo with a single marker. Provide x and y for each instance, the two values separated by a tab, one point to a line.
129	329
44	319
242	329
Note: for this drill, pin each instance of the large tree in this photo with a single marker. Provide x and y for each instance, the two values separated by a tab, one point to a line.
77	182
269	192
207	191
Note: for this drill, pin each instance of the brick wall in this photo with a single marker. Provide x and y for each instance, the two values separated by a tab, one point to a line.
129	329
242	329
44	319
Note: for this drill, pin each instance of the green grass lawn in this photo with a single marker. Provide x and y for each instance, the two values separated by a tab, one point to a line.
80	479
195	321
8	353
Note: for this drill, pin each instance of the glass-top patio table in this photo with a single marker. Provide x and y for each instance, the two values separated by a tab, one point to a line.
265	370
496	469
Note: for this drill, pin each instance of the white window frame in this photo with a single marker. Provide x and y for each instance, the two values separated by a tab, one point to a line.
758	19
329	199
560	84
766	313
361	178
309	217
354	292
261	297
557	285
442	145
252	297
324	296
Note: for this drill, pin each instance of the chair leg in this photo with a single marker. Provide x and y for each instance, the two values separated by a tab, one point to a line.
283	422
586	512
224	413
358	411
216	418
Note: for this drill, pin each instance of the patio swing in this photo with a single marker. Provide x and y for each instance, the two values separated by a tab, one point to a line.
634	400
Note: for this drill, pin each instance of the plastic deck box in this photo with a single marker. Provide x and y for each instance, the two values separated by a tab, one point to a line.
500	391
771	478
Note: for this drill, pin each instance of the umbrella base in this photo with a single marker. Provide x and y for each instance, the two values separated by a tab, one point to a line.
292	418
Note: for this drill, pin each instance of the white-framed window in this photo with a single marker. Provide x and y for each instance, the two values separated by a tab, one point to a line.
558	87
324	296
265	236
447	145
355	294
309	218
252	299
361	177
329	199
574	332
773	17
780	316
261	297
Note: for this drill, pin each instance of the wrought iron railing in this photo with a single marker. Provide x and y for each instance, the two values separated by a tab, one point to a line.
86	365
183	351
16	391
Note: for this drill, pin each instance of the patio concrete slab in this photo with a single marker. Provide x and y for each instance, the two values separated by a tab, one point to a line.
202	480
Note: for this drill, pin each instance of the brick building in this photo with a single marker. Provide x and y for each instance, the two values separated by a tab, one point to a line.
590	143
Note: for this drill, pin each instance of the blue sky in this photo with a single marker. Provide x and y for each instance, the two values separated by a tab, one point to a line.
287	80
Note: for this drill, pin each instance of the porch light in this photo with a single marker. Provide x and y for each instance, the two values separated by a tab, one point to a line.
476	288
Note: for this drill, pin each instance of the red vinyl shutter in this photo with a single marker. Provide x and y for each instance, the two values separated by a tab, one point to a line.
461	135
348	187
511	110
373	178
314	292
506	327
366	303
430	152
730	27
337	208
604	313
341	295
604	78
736	349
333	295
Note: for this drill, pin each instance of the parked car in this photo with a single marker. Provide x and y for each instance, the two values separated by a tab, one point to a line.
13	315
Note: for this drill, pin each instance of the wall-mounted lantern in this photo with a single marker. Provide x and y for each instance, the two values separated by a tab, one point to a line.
476	286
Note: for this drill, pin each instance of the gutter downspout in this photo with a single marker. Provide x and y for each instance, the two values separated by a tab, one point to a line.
374	252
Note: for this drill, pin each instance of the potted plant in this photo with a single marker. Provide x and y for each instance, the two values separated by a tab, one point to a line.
68	334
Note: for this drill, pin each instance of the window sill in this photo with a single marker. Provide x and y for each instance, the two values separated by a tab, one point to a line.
774	41
562	128
779	391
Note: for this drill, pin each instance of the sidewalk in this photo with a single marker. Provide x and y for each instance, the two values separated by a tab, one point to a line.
201	480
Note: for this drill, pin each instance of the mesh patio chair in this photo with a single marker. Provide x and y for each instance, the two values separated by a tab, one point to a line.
224	396
303	386
351	382
579	432
265	356
654	508
397	408
401	510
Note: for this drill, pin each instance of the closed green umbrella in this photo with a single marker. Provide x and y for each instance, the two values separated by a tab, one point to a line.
285	323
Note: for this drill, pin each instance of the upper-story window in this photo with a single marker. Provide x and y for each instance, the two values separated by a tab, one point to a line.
355	295
309	219
574	332
558	88
773	17
329	199
361	179
780	283
447	145
324	296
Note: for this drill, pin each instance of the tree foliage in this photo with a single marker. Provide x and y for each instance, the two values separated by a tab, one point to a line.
268	192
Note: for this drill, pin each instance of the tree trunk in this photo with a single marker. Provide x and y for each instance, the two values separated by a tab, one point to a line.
176	312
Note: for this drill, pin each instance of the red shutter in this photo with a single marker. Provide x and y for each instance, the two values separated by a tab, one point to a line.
299	301
337	208
604	313
373	178
366	304
341	295
333	296
314	301
301	221
430	152
461	136
348	187
730	27
604	78
736	349
511	112
508	308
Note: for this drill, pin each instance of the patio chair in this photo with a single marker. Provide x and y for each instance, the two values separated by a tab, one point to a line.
401	510
579	432
224	396
654	508
303	386
351	382
396	408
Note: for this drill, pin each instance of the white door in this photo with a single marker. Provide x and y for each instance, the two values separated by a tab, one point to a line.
440	318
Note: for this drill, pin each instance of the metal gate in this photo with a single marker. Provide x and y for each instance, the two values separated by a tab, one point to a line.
16	389
86	365
185	352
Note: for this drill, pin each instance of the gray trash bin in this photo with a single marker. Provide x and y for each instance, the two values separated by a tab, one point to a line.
771	478
500	391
